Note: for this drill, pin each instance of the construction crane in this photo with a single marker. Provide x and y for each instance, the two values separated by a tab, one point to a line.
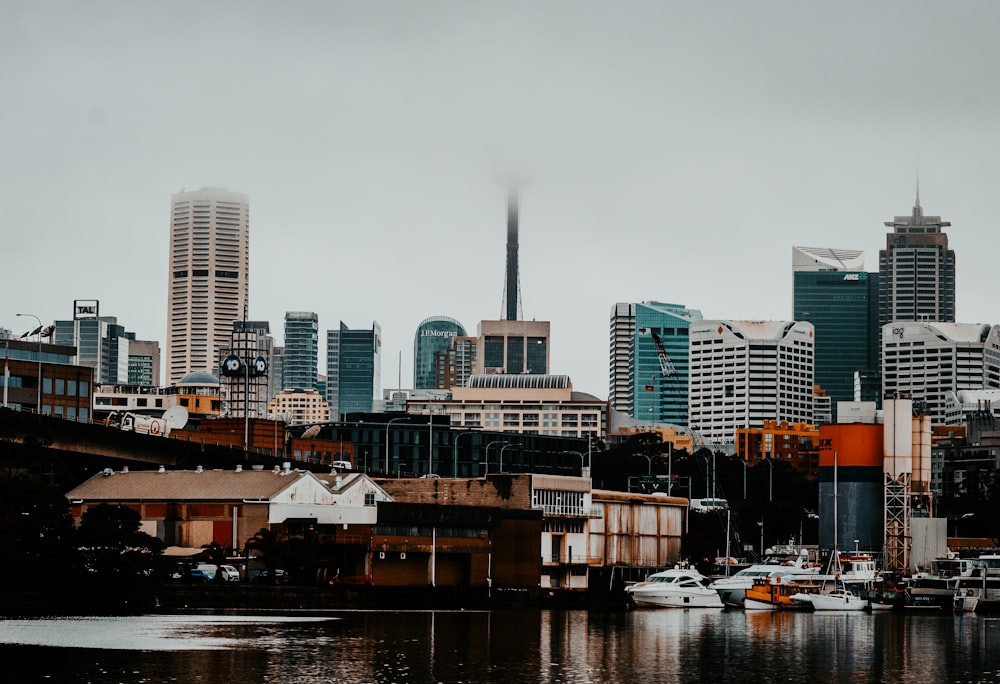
666	366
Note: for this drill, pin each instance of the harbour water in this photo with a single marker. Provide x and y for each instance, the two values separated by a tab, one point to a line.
507	646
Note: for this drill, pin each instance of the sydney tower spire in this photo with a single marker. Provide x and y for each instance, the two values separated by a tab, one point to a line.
512	287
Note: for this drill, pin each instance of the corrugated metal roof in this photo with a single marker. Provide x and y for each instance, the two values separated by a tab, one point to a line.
180	485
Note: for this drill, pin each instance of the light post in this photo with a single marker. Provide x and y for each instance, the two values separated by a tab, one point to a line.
500	464
649	463
454	458
582	473
670	468
707	485
391	421
744	464
38	400
770	479
486	463
430	440
760	523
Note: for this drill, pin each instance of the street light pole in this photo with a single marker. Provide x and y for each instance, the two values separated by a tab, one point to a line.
454	467
670	468
770	479
500	464
486	464
38	400
582	474
391	421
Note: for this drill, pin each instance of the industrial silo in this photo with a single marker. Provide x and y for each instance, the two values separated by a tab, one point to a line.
851	483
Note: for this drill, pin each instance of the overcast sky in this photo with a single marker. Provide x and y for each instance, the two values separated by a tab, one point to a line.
672	151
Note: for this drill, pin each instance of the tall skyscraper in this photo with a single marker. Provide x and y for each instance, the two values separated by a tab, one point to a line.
916	270
353	369
434	335
649	360
301	370
834	293
746	372
208	278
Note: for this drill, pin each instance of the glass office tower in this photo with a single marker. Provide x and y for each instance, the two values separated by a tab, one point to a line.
353	369
433	336
301	367
649	360
834	293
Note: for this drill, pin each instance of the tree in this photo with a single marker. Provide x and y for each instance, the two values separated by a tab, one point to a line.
268	546
215	554
112	547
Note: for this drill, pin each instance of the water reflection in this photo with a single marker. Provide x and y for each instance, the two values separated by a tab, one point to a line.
510	646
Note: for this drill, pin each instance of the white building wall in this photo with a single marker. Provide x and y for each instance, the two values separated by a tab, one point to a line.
923	361
745	372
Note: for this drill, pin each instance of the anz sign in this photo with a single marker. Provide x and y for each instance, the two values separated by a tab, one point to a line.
856	276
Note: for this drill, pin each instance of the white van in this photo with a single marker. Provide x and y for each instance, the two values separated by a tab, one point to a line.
343	465
229	572
708	505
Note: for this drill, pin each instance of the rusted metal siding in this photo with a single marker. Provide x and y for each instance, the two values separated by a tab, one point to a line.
637	531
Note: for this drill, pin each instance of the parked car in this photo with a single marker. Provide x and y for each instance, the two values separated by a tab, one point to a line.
264	577
229	572
343	465
192	576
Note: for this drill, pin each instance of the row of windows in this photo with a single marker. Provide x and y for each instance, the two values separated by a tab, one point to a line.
66	388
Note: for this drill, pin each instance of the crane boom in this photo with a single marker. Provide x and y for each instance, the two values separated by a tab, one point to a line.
666	366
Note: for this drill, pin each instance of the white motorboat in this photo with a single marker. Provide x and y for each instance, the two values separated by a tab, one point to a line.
732	590
838	599
674	588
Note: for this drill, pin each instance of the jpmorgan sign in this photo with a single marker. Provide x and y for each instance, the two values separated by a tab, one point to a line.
437	333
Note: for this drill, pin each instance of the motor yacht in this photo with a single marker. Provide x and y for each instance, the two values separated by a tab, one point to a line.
732	590
675	588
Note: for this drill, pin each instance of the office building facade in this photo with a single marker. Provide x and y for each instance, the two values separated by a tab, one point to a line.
834	293
434	335
924	362
301	360
101	343
455	365
916	270
353	369
743	373
208	277
247	387
649	361
42	378
512	347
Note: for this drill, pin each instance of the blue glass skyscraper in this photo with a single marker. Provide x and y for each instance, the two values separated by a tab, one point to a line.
353	369
649	361
434	335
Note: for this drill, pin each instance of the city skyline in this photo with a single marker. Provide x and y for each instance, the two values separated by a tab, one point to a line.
664	156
